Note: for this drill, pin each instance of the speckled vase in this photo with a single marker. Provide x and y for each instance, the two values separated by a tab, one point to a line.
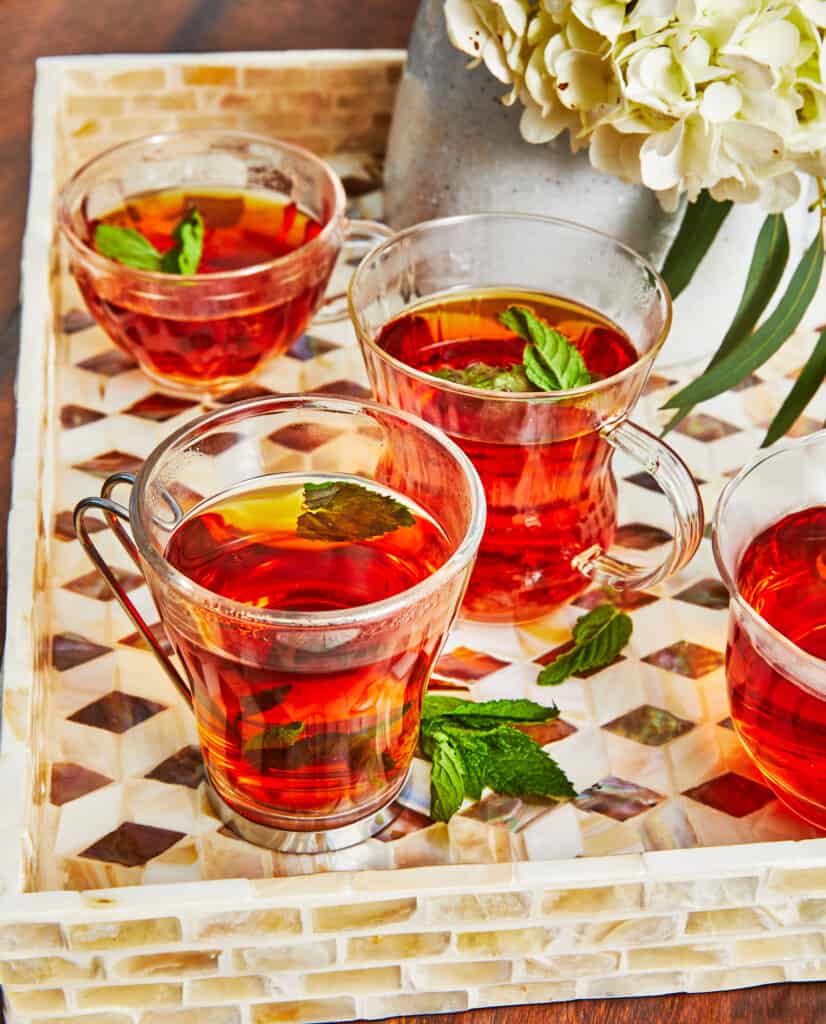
455	148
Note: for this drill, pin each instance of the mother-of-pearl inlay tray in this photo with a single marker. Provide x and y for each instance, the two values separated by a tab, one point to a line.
100	774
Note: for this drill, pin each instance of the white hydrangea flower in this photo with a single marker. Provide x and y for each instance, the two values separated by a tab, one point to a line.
678	95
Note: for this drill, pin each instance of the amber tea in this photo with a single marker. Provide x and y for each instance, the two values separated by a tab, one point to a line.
547	502
285	724
782	576
242	229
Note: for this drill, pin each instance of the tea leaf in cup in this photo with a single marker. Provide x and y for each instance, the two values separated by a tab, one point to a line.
130	248
185	254
127	246
552	362
338	510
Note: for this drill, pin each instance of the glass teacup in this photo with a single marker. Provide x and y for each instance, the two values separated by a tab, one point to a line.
206	332
307	697
544	458
770	546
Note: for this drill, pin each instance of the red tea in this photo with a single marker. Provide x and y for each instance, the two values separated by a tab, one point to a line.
292	725
782	575
242	229
547	502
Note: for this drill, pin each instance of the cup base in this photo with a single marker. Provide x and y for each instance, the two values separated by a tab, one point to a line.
319	841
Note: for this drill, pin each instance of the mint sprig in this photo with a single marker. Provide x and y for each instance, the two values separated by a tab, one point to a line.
598	636
551	361
474	745
130	248
338	510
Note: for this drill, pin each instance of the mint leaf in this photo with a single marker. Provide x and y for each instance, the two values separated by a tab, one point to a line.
552	362
513	764
506	710
126	246
489	378
598	636
484	750
447	779
129	247
276	737
436	705
338	510
185	254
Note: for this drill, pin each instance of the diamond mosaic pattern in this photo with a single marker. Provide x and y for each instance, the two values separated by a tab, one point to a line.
649	725
131	844
93	585
686	659
618	799
186	768
159	407
706	593
637	737
732	794
117	712
71	781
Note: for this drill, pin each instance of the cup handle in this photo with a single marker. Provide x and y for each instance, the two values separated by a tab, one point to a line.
115	514
678	485
361	237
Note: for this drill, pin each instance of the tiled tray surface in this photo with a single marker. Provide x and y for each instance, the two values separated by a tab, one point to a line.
646	741
100	781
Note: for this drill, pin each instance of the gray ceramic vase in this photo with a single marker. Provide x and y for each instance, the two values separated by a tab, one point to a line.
455	148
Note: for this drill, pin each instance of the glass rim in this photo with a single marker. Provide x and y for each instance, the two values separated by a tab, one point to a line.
816	664
549	397
359	614
90	254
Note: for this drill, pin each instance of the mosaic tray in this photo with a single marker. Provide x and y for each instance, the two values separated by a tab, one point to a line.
674	869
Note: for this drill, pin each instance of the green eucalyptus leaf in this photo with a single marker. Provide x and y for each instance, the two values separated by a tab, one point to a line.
771	254
768	338
703	219
805	388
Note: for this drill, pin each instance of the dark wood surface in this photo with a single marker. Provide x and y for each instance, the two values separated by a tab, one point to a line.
30	28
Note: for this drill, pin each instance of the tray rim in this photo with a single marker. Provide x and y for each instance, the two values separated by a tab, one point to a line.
35	379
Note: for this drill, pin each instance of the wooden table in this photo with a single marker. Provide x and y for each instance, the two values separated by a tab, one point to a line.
29	29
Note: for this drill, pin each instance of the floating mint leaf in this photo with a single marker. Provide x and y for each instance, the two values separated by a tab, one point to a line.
127	246
275	737
447	779
489	378
338	510
598	636
552	362
185	254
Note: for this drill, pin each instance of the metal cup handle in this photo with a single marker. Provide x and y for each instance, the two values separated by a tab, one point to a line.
115	515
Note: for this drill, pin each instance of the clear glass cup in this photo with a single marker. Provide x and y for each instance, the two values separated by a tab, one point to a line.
777	690
544	459
206	333
354	676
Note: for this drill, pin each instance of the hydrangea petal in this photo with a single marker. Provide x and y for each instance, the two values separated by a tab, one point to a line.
721	102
